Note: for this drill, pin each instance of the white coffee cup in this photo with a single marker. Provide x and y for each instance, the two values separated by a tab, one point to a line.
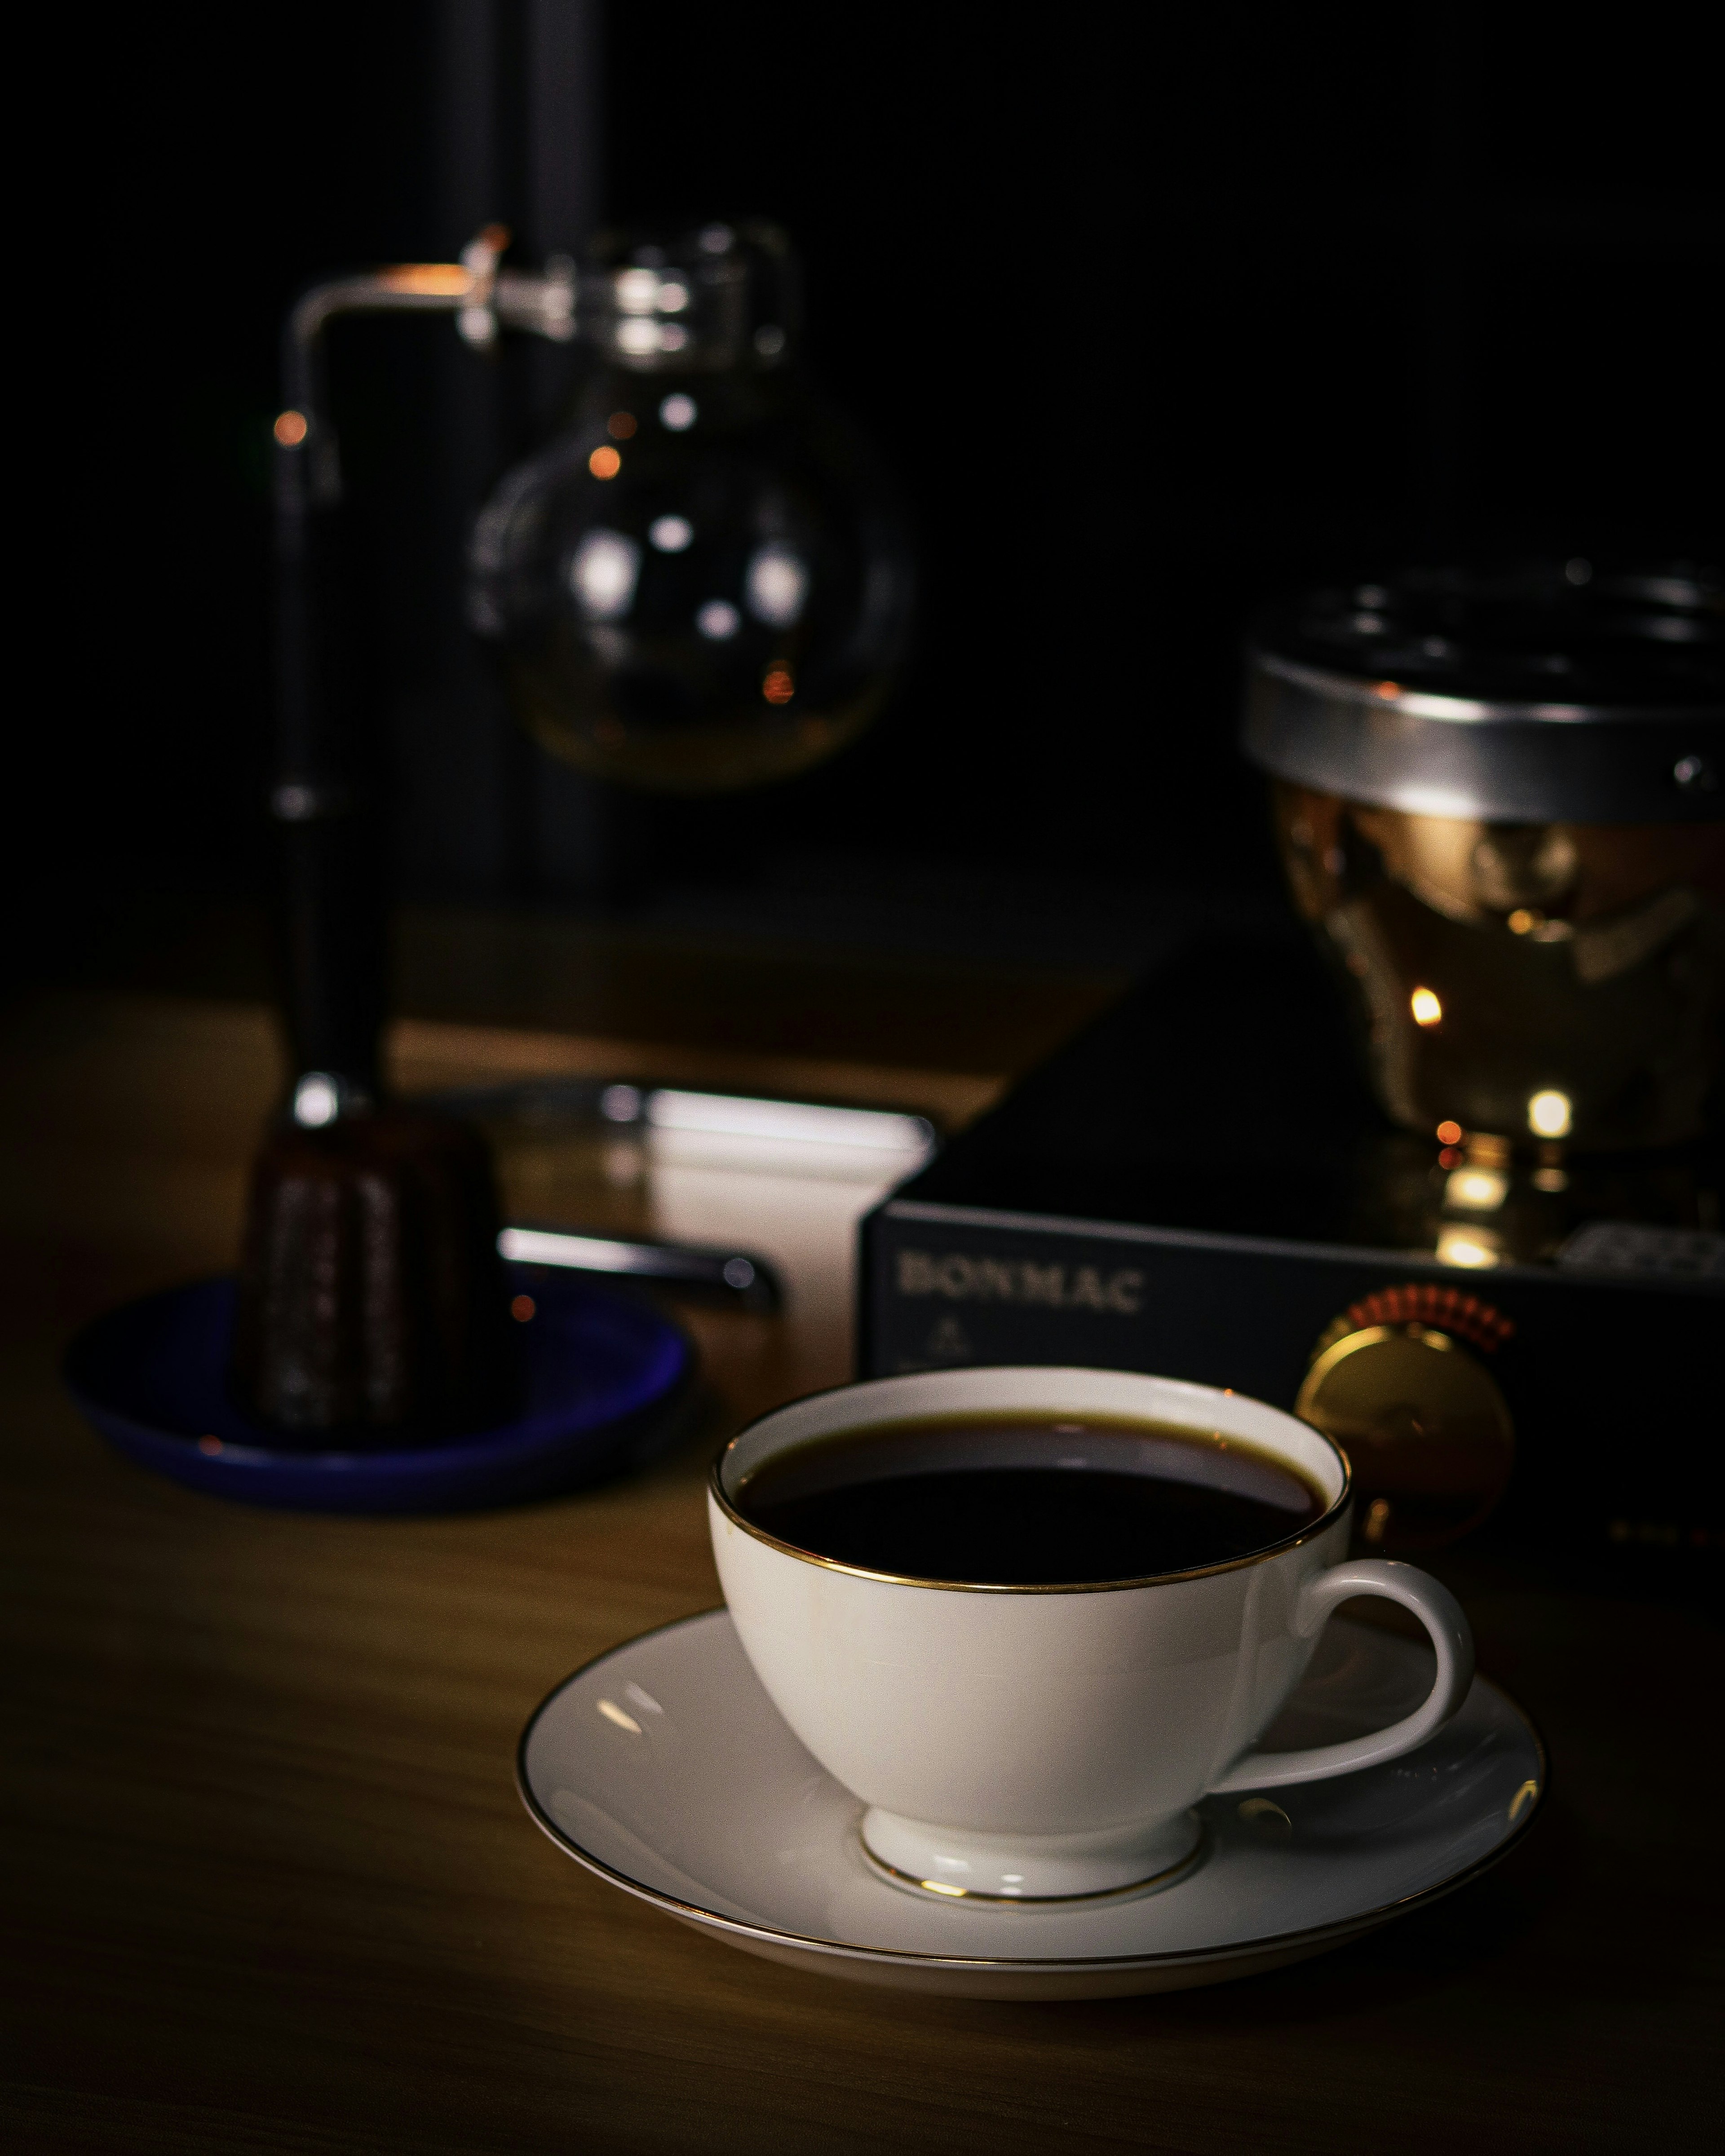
1024	1743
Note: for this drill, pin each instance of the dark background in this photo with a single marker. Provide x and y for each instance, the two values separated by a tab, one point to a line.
1154	313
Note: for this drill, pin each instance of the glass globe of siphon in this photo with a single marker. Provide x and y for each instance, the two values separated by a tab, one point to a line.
704	581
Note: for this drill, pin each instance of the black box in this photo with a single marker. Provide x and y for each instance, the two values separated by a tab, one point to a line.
1199	1186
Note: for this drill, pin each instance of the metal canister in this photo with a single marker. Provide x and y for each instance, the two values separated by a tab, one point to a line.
1500	799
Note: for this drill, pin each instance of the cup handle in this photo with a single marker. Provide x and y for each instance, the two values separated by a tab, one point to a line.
1440	1614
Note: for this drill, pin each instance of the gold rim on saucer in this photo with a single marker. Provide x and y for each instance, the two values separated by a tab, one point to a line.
1527	1806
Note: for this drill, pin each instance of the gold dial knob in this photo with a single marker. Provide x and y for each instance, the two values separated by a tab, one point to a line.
1427	1432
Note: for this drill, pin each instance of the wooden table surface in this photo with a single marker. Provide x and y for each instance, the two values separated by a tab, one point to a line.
270	1885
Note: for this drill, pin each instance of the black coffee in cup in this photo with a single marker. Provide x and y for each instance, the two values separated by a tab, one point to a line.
1037	1500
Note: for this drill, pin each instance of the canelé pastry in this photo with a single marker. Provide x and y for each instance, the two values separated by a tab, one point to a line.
372	1307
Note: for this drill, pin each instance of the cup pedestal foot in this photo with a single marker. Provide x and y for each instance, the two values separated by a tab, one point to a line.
1007	1869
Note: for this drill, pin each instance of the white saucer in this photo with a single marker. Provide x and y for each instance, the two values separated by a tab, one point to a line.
664	1767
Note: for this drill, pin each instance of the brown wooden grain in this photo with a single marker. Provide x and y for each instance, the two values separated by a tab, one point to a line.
270	1887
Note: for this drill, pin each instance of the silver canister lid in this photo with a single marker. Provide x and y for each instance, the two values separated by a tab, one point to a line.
1552	692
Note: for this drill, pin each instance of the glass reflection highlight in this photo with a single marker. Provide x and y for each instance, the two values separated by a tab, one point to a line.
603	574
1477	1189
1549	1114
776	585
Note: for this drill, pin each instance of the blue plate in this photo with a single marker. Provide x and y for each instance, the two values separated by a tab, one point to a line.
605	1376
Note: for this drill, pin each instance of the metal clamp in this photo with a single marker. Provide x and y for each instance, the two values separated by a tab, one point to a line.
483	296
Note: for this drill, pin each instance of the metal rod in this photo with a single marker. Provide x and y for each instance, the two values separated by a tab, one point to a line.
335	912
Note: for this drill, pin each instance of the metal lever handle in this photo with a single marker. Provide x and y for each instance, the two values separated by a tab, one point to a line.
737	1275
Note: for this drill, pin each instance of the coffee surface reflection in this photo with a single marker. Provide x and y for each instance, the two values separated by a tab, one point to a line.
997	1501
